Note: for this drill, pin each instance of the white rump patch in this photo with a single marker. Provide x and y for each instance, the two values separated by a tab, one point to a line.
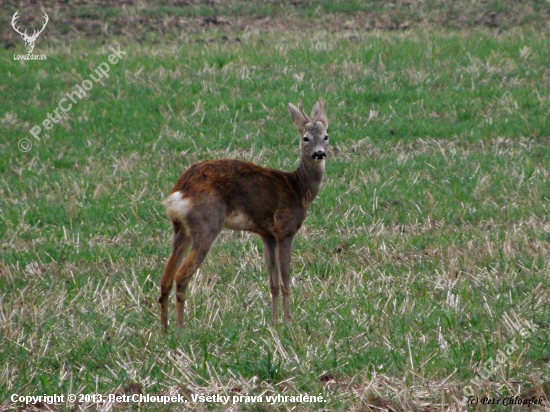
177	206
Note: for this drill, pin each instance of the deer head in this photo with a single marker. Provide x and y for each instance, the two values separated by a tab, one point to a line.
29	40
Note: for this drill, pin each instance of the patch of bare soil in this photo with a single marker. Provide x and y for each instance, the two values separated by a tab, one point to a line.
165	20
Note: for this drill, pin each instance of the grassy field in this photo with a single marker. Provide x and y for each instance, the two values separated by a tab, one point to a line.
424	259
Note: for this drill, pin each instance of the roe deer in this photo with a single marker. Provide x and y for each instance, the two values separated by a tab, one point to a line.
238	195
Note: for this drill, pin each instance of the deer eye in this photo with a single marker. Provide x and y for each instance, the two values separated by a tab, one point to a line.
326	137
306	139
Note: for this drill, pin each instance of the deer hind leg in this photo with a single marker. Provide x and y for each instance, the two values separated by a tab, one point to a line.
285	251
203	238
271	261
180	244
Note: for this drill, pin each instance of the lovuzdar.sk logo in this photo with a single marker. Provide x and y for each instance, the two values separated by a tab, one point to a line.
29	40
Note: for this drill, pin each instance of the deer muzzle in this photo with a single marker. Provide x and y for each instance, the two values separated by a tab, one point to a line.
319	155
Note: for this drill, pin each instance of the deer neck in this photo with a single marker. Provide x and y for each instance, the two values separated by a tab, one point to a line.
310	176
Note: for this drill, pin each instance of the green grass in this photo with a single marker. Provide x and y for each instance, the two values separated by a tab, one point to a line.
431	228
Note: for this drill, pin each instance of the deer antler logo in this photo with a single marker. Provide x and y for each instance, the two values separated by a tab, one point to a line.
29	40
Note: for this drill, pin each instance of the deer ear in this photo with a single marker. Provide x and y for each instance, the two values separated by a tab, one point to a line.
318	114
298	117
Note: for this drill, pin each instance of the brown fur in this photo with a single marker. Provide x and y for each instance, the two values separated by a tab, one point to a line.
231	181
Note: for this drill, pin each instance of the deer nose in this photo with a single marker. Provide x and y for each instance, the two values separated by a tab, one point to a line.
319	155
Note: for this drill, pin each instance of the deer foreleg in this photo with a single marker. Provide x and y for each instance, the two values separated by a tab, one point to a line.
285	251
271	260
